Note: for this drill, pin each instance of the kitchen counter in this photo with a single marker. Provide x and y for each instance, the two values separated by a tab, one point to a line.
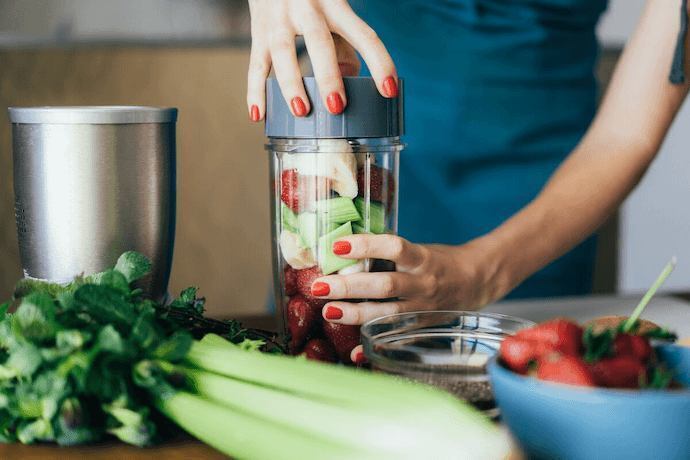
671	312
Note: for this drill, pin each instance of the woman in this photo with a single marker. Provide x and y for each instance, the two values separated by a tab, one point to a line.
500	100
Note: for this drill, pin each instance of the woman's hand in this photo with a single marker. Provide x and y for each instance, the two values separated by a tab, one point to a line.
428	277
329	27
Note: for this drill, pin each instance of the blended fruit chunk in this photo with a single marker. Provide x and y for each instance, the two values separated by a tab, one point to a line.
328	261
294	252
375	213
337	210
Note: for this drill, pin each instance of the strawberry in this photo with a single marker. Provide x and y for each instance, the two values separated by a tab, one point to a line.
343	337
305	278
567	369
519	353
301	192
642	349
303	318
618	372
561	334
381	183
290	280
632	345
320	350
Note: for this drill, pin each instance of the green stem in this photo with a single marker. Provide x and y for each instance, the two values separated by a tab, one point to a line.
630	322
243	435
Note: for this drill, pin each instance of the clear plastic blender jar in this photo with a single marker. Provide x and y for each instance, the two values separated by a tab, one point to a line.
332	176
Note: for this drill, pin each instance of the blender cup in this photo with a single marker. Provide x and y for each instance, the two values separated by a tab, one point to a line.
332	176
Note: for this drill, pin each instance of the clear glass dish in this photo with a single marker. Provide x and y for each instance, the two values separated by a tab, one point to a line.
446	349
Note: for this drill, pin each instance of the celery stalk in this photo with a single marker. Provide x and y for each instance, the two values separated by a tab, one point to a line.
319	418
443	426
243	434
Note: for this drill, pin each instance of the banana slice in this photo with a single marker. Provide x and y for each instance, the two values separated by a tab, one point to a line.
297	256
335	161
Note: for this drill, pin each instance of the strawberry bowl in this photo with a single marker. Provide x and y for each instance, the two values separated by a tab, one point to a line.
552	420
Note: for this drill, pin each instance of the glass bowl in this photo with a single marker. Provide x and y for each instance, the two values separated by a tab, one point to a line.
447	349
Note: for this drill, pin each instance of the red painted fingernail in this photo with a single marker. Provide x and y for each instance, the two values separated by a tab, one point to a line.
359	357
333	313
340	248
335	103
390	87
320	289
298	106
254	114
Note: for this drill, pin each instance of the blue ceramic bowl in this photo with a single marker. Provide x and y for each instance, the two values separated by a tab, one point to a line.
551	420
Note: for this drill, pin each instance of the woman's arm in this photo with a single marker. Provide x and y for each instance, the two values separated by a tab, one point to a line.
597	176
610	160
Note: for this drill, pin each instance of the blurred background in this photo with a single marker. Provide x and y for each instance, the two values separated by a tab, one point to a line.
193	54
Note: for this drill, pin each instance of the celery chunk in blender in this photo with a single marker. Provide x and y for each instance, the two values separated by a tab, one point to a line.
328	261
337	210
288	218
376	214
310	229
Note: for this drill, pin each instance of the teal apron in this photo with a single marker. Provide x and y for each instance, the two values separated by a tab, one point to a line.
498	93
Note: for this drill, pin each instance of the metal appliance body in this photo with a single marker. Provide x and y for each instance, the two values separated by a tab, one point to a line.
91	183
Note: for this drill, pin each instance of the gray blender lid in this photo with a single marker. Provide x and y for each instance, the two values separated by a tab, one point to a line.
97	115
367	114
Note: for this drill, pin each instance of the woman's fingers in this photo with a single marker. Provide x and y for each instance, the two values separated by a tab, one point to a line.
352	28
324	62
359	313
387	247
259	68
383	285
284	58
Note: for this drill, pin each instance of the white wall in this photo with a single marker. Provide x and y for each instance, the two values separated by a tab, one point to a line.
655	220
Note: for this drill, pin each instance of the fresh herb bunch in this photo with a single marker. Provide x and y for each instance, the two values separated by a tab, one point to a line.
67	354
